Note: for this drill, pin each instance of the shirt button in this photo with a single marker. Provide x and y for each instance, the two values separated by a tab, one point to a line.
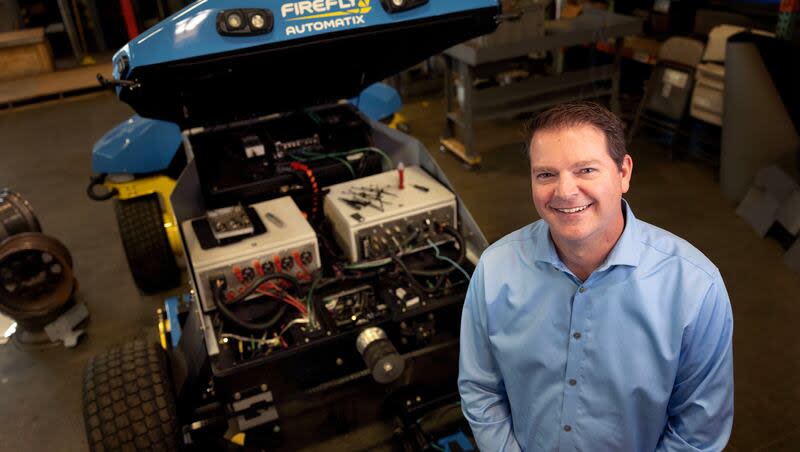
567	428
573	382
576	335
582	289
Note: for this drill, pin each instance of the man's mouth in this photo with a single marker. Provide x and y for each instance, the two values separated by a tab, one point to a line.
571	210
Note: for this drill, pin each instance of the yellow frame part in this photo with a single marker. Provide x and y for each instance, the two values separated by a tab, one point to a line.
162	186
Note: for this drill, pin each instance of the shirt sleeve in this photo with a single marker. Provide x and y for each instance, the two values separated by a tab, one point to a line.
483	395
700	411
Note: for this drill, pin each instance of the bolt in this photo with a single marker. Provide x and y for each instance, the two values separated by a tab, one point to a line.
305	340
408	403
430	316
339	361
403	325
419	399
387	367
264	387
276	429
237	396
327	333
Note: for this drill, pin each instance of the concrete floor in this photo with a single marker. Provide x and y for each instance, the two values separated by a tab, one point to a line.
46	156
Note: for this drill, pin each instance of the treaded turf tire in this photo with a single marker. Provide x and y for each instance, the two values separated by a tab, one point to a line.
127	400
150	257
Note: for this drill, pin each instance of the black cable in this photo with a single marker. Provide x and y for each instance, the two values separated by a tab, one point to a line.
252	326
413	280
459	259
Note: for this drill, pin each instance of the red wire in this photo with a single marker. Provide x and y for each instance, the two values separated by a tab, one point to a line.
286	299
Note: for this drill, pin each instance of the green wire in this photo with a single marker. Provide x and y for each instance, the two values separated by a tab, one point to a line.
376	150
436	446
347	164
372	264
310	156
310	299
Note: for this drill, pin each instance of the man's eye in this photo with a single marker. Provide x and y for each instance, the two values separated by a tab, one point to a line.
588	170
544	175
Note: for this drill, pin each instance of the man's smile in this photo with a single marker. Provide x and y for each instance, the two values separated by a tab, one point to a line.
571	210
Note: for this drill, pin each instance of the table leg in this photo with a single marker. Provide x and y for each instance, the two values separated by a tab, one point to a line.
615	105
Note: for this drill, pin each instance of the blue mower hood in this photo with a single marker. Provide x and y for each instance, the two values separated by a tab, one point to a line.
200	66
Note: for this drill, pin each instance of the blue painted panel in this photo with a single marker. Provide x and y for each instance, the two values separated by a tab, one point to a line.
136	145
378	101
459	438
192	32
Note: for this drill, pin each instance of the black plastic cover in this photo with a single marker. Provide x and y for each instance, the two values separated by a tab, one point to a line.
276	78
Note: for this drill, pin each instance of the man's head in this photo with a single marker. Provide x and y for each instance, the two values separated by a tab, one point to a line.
579	171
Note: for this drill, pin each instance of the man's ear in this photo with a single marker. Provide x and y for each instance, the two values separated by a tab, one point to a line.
625	171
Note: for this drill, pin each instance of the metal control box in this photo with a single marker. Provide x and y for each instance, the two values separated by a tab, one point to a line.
288	244
373	217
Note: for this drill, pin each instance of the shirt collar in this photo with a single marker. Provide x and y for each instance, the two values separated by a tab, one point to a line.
627	251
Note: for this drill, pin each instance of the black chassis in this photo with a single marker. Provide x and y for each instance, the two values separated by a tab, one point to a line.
321	389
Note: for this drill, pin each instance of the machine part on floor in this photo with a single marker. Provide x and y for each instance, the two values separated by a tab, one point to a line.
36	286
147	248
385	364
16	215
128	401
63	329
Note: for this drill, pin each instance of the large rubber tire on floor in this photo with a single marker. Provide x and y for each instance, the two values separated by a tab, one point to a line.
150	257
128	402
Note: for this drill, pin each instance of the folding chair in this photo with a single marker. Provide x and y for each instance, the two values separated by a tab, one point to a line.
667	91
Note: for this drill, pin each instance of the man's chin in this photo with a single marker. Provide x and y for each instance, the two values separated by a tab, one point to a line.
569	234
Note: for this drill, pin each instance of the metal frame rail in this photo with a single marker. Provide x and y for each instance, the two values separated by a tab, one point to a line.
467	59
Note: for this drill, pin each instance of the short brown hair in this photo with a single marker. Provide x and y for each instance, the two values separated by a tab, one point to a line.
581	113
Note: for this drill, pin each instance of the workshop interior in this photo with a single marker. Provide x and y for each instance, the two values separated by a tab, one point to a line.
252	224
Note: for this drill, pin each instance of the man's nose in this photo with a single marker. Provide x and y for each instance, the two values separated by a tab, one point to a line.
566	187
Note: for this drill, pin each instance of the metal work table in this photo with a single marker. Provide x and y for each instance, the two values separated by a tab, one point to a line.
533	93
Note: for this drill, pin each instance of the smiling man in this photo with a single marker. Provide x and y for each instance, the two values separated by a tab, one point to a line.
590	330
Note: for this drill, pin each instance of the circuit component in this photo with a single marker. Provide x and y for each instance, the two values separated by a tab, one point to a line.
229	222
373	218
354	307
278	249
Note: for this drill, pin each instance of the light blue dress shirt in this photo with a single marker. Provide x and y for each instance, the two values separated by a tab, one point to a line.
636	358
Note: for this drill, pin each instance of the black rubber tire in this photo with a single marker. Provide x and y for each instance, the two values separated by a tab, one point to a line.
150	257
127	400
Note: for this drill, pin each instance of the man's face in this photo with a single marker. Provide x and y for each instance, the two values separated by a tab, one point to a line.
577	187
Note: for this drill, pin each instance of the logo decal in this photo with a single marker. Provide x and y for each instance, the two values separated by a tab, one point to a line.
340	13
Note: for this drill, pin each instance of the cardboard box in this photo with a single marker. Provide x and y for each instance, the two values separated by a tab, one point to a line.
24	53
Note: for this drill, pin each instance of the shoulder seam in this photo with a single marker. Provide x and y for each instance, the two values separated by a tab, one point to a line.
683	258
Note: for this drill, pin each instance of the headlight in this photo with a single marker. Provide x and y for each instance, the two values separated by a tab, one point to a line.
234	21
396	6
244	22
257	21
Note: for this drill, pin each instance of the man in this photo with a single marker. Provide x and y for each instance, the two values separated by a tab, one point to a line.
590	330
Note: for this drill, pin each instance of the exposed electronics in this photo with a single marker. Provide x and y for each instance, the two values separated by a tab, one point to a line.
265	158
373	218
282	241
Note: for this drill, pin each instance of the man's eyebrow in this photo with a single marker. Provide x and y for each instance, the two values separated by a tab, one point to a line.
585	163
537	169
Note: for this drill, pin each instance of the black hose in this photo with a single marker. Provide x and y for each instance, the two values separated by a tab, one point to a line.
252	326
98	180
